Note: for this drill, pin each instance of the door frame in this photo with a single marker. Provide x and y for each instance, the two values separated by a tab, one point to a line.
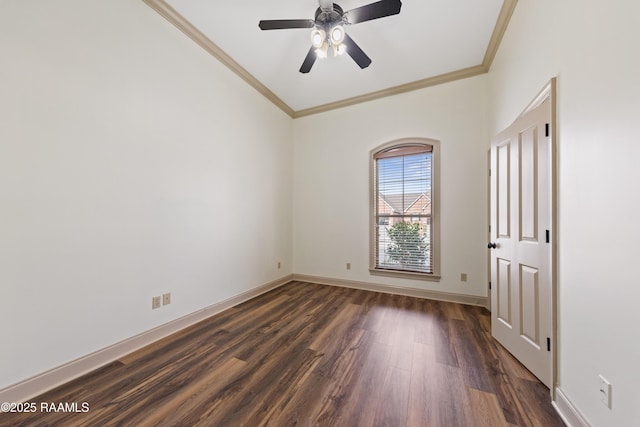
548	92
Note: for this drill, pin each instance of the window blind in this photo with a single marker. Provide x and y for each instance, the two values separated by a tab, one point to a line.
403	209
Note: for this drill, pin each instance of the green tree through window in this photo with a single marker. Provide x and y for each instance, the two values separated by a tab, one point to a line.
408	246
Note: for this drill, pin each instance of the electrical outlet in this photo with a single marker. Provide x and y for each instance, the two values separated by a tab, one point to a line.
166	298
155	303
348	266
605	392
463	277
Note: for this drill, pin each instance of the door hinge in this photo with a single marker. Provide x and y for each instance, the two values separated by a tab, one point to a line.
489	228
546	130
548	238
489	285
489	172
548	344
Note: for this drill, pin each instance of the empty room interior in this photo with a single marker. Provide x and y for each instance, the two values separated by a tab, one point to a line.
193	212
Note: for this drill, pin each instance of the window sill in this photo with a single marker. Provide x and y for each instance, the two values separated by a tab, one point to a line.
405	274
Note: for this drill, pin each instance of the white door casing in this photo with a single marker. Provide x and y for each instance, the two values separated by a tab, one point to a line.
521	260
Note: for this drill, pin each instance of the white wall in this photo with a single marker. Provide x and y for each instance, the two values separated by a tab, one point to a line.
120	141
592	47
331	183
132	163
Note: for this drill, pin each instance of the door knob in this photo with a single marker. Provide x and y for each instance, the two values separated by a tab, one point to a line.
492	246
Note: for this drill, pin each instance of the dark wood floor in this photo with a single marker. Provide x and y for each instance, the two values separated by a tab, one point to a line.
307	354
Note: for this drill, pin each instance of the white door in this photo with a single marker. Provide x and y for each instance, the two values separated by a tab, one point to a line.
521	255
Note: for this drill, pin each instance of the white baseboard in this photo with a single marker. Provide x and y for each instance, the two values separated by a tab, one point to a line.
399	290
36	385
568	412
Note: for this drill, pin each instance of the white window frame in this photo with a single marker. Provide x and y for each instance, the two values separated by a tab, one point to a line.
399	144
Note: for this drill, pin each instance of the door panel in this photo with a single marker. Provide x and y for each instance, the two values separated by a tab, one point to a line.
503	289
503	172
529	302
521	260
528	167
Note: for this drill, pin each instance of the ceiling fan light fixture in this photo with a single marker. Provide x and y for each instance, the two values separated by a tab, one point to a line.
322	51
318	37
339	49
337	34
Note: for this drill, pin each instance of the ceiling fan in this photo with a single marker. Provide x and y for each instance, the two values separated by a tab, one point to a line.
328	29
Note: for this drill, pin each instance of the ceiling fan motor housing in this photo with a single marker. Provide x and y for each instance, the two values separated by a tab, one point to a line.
328	18
327	22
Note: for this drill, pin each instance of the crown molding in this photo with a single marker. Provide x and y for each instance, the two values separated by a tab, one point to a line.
508	6
396	90
180	22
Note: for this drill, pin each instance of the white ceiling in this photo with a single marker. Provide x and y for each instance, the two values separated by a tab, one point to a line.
428	38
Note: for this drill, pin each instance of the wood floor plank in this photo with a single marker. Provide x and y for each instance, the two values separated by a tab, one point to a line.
314	355
438	393
533	394
338	325
404	336
270	389
341	357
307	398
425	321
472	355
444	346
302	400
394	398
454	311
358	391
388	318
188	399
486	409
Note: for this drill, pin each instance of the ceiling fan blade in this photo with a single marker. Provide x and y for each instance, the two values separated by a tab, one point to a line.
283	24
376	10
309	60
356	53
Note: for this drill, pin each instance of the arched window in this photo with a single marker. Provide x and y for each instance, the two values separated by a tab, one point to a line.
405	221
